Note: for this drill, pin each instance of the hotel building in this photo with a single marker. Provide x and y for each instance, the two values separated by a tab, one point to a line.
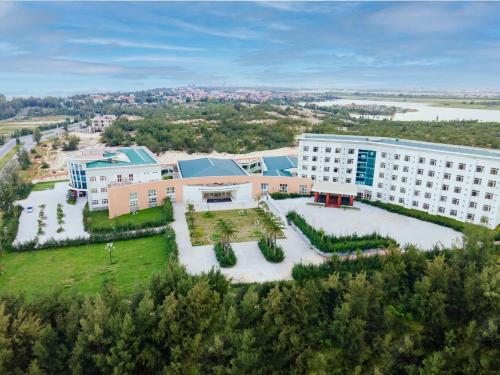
454	181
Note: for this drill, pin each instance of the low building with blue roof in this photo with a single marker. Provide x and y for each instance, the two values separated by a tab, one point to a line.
285	166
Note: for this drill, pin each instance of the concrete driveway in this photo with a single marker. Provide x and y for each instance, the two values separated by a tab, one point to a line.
369	219
251	265
73	219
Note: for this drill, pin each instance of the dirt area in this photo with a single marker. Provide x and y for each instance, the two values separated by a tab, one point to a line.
264	122
87	140
9	125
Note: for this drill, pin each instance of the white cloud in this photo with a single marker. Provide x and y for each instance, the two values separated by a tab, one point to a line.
238	33
131	44
8	49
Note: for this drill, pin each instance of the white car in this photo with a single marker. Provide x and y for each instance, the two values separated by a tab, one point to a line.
29	209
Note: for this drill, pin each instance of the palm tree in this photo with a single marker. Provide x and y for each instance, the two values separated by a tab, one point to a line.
275	229
226	230
190	215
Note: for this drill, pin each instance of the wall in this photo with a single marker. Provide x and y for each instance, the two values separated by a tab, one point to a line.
119	195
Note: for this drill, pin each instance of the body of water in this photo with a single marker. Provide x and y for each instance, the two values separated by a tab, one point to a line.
422	111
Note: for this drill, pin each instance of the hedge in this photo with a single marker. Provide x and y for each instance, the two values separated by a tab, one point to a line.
272	255
10	225
279	195
224	260
333	244
93	238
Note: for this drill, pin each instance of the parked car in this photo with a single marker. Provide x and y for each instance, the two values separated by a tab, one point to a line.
29	209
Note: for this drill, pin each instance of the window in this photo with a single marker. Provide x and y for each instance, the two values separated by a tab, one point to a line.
416	193
381	175
327	159
284	188
427	195
337	150
131	177
335	179
350	151
492	183
305	158
494	171
92	179
445	187
348	180
104	201
420	171
397	156
425	206
441	210
477	181
442	198
103	190
457	189
488	195
395	167
119	177
393	188
394	177
474	193
315	149
453	212
328	149
313	177
479	168
404	179
102	178
470	217
327	169
335	170
430	173
484	220
428	184
304	167
418	182
95	202
407	157
306	148
459	178
133	202
384	154
401	200
382	165
487	208
421	160
303	189
380	185
171	190
350	161
314	158
349	170
432	162
455	201
402	190
461	166
379	195
93	190
152	197
325	178
313	168
391	198
264	187
472	205
336	160
414	204
405	169
447	176
449	164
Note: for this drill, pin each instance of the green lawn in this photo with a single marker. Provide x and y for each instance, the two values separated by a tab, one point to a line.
204	225
4	159
46	185
98	221
84	268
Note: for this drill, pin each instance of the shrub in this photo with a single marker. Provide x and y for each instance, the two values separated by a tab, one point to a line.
279	195
168	210
333	244
272	254
225	255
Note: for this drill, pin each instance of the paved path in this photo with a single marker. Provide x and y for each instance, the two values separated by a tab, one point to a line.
251	265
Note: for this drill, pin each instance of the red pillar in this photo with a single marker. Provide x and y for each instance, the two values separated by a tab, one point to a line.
327	202
339	200
316	196
351	200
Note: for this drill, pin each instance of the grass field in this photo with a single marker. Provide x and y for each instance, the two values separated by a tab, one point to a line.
46	185
9	125
204	226
99	221
4	159
83	268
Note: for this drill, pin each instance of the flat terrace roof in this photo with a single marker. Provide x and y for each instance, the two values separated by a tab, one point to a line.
125	157
209	167
405	143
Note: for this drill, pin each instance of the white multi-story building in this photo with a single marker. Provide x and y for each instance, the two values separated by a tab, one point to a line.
99	123
92	173
459	182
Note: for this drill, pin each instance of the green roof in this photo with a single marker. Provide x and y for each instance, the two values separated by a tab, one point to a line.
206	167
124	157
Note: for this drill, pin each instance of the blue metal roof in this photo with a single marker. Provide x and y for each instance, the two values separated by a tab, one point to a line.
206	167
278	165
407	143
134	156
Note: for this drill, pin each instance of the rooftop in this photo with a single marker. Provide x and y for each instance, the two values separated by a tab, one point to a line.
124	157
279	165
206	167
440	147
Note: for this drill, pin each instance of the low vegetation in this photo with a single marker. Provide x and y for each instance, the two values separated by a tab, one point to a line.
279	195
273	228
99	221
344	244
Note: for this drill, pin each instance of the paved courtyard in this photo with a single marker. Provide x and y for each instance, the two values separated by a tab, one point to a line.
73	215
251	265
369	219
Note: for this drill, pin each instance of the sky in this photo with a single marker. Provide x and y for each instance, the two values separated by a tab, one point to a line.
61	48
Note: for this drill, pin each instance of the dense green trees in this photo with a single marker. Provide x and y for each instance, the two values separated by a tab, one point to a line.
405	313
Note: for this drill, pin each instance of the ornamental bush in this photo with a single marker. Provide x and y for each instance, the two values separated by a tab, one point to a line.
279	195
225	255
273	254
342	244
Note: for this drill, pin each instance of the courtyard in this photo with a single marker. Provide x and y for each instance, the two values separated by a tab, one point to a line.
47	201
366	219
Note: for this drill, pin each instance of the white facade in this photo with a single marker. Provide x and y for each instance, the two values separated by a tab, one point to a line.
199	193
462	183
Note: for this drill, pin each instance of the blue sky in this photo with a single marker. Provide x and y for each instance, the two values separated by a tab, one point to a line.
63	48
